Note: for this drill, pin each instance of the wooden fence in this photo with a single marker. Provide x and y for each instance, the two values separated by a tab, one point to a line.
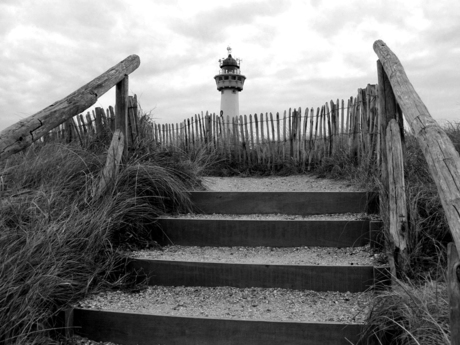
301	137
98	123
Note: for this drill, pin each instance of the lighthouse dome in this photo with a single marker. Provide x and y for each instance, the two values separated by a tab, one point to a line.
229	63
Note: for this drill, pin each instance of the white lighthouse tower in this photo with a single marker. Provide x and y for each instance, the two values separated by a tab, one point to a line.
229	82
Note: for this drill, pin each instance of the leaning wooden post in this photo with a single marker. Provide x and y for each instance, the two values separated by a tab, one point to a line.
453	289
442	157
121	110
387	111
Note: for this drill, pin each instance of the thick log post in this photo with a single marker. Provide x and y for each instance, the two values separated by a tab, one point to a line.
20	135
397	196
442	158
121	109
453	288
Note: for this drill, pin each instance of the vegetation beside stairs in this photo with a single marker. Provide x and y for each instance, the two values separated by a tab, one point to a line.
64	245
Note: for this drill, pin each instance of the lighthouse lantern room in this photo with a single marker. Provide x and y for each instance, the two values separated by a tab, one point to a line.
229	82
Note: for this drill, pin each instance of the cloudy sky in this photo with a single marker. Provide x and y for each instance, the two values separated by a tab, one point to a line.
294	53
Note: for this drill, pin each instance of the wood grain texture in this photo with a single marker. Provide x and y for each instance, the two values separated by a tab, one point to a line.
23	133
453	267
145	329
121	108
112	164
300	203
442	157
298	277
396	187
269	233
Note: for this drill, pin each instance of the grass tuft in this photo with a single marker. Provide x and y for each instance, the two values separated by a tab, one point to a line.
59	244
411	314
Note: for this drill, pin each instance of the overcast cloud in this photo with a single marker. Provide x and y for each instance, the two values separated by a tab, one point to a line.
295	53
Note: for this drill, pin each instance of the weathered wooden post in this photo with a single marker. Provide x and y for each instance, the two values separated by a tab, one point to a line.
387	110
100	130
442	158
133	116
112	164
392	173
121	109
20	135
453	288
398	226
68	131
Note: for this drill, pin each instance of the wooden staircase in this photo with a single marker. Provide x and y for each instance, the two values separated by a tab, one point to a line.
138	328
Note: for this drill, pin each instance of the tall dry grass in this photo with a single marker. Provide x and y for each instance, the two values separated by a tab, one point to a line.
415	311
411	313
58	243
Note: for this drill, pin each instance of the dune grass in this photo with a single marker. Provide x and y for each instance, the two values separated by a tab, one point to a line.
411	313
58	243
416	310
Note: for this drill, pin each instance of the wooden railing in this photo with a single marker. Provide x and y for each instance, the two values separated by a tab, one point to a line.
397	97
96	124
23	133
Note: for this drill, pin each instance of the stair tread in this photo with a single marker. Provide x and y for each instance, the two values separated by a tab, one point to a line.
357	256
291	183
270	304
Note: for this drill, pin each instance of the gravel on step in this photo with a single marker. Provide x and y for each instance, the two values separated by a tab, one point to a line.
233	303
293	183
357	256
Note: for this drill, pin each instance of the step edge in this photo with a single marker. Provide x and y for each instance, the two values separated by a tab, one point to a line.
71	310
250	264
264	220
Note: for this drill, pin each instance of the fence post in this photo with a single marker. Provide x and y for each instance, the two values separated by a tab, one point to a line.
121	109
398	225
387	111
100	130
453	288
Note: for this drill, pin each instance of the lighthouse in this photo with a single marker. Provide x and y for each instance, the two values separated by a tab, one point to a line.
229	82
